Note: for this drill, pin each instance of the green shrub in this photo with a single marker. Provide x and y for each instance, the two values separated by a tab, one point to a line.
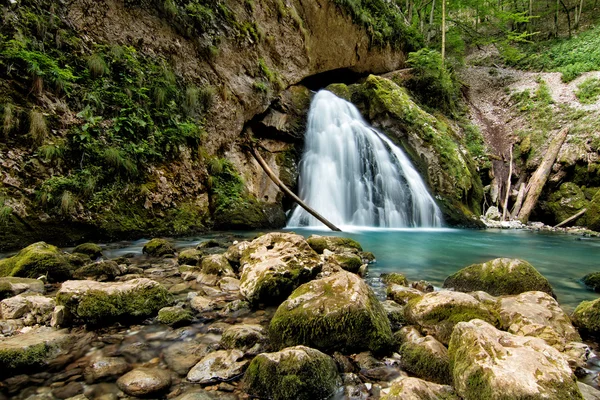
588	91
97	66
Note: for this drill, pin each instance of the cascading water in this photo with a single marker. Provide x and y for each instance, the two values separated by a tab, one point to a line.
354	175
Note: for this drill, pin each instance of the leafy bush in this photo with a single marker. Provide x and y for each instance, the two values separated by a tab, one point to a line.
588	91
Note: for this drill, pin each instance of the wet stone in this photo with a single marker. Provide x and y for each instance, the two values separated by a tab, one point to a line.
144	381
105	368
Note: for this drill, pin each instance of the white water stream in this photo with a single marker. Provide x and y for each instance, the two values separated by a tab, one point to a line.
354	175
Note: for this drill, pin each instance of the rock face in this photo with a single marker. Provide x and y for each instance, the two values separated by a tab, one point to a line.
587	317
95	302
219	366
297	372
36	260
274	265
498	277
567	201
437	313
490	364
319	313
539	315
418	389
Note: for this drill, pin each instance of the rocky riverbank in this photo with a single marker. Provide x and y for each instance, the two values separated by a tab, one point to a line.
281	317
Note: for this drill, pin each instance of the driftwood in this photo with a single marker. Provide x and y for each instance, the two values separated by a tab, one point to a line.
507	185
579	214
519	201
287	191
540	176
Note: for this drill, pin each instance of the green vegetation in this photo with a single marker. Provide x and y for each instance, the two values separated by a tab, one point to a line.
38	259
588	91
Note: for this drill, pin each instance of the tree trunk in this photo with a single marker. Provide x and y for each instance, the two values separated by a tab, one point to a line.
539	177
287	191
443	31
430	28
571	218
518	202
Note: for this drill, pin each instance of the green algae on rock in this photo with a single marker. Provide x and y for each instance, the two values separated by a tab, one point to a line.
298	372
102	303
275	264
394	278
174	316
567	201
36	260
190	257
158	248
424	357
339	312
586	317
89	249
490	364
501	276
333	243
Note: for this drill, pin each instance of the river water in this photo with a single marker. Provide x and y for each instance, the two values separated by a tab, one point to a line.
434	254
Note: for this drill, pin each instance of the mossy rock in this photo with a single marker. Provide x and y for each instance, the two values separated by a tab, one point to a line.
394	278
79	259
249	338
11	286
103	303
592	215
501	276
567	201
402	294
36	260
216	264
299	373
340	90
586	318
592	281
89	249
337	313
333	243
174	316
101	270
190	257
419	389
424	357
158	248
348	261
395	314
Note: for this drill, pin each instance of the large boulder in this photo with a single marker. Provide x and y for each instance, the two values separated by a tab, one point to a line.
274	265
490	364
501	276
299	373
437	313
539	315
417	389
339	312
36	260
424	356
12	286
95	302
586	317
565	202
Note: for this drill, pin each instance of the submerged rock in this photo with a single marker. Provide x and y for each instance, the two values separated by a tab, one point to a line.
96	302
339	312
158	248
38	259
491	364
174	316
299	373
105	368
539	315
501	276
142	382
424	357
592	281
182	356
437	313
274	265
417	389
219	366
91	250
586	317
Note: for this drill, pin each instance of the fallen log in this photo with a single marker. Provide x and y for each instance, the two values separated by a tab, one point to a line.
540	176
571	218
518	202
287	191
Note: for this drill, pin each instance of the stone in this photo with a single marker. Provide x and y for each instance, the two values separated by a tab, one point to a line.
36	260
348	261
218	366
539	315
424	357
334	244
299	373
591	281
174	316
493	214
354	388
38	308
96	302
235	251
565	202
274	265
249	338
57	319
190	257
402	294
394	278
91	250
202	304
229	284
492	364
216	264
143	382
422	286
501	276
12	286
406	388
586	317
102	270
105	368
395	314
374	369
588	392
158	248
68	391
318	314
180	357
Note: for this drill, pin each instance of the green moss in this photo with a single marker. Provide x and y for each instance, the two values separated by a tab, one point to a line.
592	281
36	260
216	265
158	248
394	278
425	364
499	277
332	243
5	290
108	269
305	378
340	90
587	317
349	262
15	360
567	201
190	257
174	316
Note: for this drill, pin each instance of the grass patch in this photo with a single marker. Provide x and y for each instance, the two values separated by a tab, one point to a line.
38	130
588	91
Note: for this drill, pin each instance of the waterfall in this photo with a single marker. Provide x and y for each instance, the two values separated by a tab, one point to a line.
354	175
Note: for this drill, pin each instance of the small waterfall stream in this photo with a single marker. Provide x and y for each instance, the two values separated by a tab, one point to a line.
354	175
